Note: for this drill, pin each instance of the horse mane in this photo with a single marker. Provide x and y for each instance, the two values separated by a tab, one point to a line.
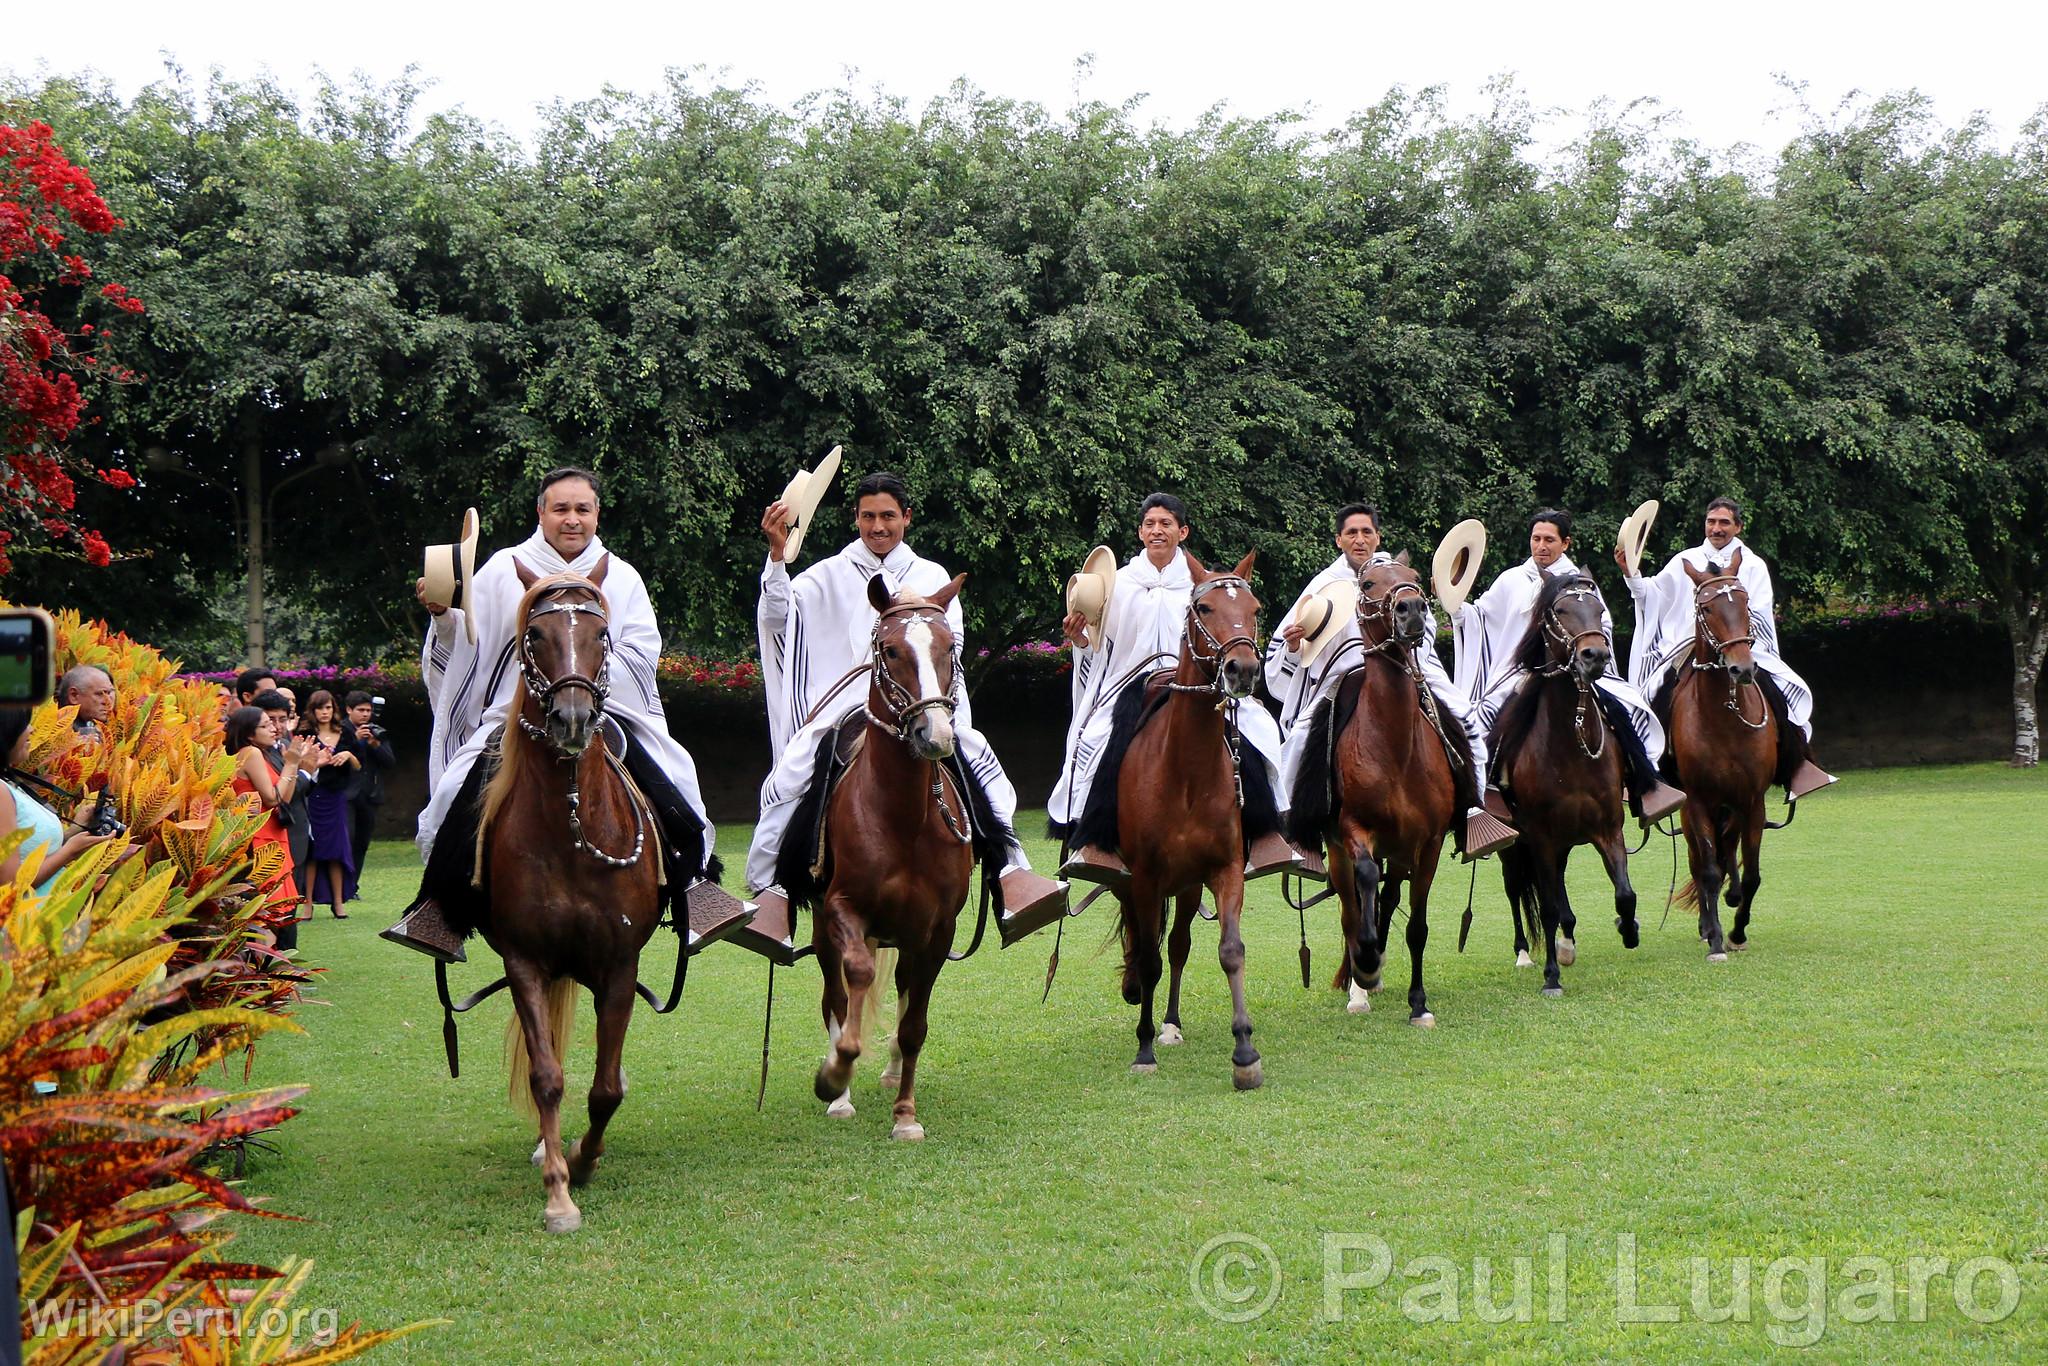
1099	823
1532	652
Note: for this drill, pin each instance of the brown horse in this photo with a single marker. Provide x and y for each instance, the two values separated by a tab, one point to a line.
575	891
1375	783
1724	740
1168	795
902	828
1563	770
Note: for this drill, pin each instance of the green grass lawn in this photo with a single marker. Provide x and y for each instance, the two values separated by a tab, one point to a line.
1866	1082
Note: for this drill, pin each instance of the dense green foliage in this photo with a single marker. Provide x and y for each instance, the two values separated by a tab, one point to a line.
1840	1090
1038	318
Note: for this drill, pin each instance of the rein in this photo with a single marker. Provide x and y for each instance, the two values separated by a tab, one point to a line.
903	707
1380	611
1568	642
1212	665
1705	642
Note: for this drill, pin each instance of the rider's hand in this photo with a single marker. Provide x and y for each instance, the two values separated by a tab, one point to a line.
775	526
1075	629
1293	635
419	590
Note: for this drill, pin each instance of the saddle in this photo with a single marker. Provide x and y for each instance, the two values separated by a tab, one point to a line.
848	738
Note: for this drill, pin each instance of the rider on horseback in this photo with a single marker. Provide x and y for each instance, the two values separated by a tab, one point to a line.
1140	633
1488	629
816	634
471	668
1665	612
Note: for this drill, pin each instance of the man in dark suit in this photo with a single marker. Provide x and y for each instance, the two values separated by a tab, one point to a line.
366	790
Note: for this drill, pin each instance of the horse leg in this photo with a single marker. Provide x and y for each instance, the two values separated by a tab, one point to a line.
1247	1073
831	966
608	1082
1752	874
1344	881
1614	853
1146	908
834	1083
1567	923
1550	894
1702	832
1366	949
1178	945
1517	881
1390	903
544	1080
892	1072
914	984
1418	935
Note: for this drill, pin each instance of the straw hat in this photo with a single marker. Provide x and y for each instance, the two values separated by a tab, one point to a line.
451	569
1456	566
1321	616
1089	591
802	496
1634	537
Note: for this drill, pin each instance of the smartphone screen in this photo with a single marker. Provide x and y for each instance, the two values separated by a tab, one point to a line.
25	639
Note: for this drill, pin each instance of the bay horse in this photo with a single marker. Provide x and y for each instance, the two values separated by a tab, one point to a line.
883	851
1563	772
1175	797
575	892
1725	759
1375	783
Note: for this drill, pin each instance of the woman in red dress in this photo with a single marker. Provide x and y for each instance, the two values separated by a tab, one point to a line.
250	736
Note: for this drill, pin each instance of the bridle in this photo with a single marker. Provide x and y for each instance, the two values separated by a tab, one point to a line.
542	689
901	707
1379	611
1211	663
1567	642
1729	586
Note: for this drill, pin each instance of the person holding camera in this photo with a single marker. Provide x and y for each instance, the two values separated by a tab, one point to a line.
23	811
366	790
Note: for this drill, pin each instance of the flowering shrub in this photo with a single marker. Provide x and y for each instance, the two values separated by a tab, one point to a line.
125	987
42	196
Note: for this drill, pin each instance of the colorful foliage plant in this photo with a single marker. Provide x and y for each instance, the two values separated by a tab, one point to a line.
126	990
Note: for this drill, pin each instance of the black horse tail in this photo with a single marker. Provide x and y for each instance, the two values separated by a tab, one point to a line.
1313	801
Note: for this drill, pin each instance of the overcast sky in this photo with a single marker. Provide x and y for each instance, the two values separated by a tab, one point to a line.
1714	65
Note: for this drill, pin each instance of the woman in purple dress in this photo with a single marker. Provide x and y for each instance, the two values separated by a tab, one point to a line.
331	854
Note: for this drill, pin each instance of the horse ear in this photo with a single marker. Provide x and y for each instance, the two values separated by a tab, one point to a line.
1695	575
604	564
946	595
1402	559
878	593
1735	563
527	578
1195	570
1244	566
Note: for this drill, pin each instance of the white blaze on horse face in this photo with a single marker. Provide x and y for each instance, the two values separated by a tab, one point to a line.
1230	591
918	636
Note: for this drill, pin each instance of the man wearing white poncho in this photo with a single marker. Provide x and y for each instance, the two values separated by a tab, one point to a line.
1298	686
816	634
1142	631
474	684
1487	630
1665	615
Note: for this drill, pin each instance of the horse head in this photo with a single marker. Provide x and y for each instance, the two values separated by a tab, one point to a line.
1222	634
563	640
1572	621
1391	604
915	683
1721	633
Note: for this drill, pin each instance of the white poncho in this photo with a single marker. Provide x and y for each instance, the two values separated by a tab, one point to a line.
1665	619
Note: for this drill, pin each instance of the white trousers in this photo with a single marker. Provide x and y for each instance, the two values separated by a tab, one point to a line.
1077	776
1448	698
1620	689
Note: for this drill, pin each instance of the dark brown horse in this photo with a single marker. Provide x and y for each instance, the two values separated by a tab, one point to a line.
1375	783
575	880
1167	796
902	827
1724	740
1562	768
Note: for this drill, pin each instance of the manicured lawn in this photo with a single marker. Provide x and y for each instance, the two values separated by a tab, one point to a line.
1867	1081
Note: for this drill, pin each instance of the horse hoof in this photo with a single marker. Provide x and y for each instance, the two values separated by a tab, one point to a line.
1423	1021
540	1152
565	1223
840	1108
909	1131
1738	945
1373	983
1567	952
1145	1068
891	1080
1631	932
1553	991
1717	958
1248	1078
1523	960
1360	1002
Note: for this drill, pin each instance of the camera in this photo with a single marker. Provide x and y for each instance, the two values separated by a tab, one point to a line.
28	654
103	821
376	710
